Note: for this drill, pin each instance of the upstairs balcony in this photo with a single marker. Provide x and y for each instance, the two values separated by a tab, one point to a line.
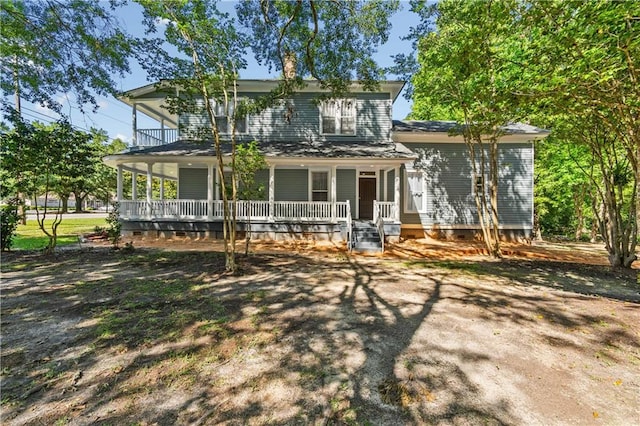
155	137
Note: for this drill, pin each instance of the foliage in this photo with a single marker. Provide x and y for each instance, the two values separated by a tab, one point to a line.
332	42
170	186
114	231
562	188
249	160
569	66
103	181
49	47
8	223
466	69
212	51
38	159
582	78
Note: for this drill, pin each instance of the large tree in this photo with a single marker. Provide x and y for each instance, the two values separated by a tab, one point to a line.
329	41
569	66
50	48
583	71
467	67
36	159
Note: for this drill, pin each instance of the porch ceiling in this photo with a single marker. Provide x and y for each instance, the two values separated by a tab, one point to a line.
161	170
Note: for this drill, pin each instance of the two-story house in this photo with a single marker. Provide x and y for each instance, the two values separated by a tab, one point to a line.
334	166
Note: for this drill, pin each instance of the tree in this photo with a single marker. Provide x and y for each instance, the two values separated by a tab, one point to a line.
563	192
585	78
467	67
332	42
213	49
35	159
249	161
48	48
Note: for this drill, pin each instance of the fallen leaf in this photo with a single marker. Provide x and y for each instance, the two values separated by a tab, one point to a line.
595	415
617	382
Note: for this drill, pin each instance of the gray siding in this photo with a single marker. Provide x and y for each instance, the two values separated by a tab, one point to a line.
346	187
449	188
291	185
192	184
298	118
391	181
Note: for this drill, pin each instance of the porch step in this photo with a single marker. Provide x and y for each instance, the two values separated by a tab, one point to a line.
366	238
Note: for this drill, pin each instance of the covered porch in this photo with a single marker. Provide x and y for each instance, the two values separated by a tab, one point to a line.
306	197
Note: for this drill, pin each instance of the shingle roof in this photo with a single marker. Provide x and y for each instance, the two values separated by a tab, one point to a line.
306	149
448	126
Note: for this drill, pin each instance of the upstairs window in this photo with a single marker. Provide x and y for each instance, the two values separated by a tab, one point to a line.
223	117
338	117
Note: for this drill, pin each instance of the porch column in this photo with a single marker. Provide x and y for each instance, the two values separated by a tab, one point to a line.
162	188
119	184
162	137
211	178
334	196
134	186
272	192
134	124
149	188
385	174
396	194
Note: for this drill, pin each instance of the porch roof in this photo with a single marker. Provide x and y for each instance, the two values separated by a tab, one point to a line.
290	149
436	126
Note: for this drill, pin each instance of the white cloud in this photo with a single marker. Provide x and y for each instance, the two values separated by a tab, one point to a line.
123	138
161	22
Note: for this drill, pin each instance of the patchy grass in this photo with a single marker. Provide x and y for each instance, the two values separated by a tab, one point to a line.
31	237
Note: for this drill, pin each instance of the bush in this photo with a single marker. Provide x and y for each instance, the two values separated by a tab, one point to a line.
9	219
114	230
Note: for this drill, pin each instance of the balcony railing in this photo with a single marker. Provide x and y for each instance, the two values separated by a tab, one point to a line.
297	211
155	137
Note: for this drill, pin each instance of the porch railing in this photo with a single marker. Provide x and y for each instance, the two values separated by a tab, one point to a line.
155	137
302	211
385	210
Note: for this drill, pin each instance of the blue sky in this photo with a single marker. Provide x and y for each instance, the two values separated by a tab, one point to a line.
115	117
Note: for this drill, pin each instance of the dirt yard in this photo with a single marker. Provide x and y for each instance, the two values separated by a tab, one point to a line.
429	333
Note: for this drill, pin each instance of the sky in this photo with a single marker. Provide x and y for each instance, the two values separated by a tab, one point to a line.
115	117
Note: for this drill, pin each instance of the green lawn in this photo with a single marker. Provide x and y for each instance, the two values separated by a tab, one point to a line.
30	237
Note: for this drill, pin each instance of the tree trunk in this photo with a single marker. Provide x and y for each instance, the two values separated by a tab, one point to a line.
65	204
80	199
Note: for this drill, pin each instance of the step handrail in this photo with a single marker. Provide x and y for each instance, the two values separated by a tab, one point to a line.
379	222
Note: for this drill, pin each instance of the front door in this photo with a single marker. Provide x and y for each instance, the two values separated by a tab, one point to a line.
367	190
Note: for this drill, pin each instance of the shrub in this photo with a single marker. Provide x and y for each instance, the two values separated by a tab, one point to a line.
114	230
9	220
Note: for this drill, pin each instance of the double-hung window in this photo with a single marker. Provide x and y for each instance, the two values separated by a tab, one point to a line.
319	186
224	115
338	117
414	192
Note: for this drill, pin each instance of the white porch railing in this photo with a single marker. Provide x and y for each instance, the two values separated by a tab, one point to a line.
155	137
386	210
299	211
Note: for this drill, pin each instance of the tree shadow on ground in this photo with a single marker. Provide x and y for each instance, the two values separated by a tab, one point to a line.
168	338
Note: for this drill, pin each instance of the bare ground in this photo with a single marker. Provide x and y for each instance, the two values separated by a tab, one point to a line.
430	333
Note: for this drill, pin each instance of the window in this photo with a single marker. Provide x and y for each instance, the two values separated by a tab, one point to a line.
414	193
223	122
478	185
319	186
338	117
